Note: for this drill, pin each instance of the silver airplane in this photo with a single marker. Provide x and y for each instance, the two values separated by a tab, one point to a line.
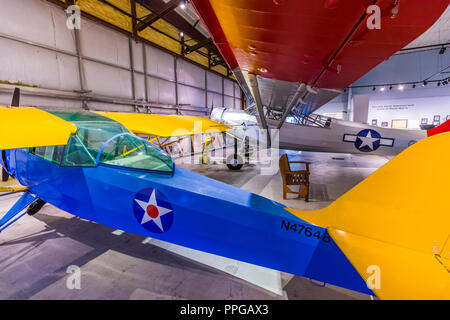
324	134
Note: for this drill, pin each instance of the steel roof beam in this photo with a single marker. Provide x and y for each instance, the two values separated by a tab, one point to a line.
198	46
156	15
178	22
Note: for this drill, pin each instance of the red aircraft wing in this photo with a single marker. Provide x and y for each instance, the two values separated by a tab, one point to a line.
323	43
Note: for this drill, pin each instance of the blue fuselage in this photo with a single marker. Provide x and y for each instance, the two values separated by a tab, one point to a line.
207	215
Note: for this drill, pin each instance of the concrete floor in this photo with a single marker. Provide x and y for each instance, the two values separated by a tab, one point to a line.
36	251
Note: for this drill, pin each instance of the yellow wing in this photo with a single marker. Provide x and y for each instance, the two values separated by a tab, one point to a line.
165	125
398	220
31	127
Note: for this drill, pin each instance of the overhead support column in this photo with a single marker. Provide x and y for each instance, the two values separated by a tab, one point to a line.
258	101
79	55
256	94
300	90
133	18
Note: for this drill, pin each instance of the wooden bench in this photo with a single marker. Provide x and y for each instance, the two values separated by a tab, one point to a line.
294	178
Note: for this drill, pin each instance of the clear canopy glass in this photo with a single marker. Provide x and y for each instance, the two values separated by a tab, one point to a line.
106	142
129	151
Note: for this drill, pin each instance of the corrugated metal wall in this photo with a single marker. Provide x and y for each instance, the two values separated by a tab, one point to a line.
37	49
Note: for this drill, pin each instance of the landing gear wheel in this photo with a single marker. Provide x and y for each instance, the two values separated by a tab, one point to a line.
35	206
234	162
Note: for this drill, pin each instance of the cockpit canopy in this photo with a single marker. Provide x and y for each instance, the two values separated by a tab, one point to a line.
106	142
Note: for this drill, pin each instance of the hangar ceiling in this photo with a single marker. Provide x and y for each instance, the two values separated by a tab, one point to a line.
101	67
190	15
161	22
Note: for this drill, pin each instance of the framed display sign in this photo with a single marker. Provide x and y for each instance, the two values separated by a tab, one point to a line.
400	124
384	124
424	121
436	118
374	122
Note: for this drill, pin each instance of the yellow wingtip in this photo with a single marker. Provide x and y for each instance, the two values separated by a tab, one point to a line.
31	127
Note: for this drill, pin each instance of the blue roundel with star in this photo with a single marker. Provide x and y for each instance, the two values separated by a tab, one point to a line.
153	211
368	140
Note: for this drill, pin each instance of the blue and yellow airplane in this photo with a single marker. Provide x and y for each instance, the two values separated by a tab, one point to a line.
388	236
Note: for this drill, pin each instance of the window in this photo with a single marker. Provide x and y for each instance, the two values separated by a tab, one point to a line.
52	153
76	154
129	151
82	148
118	147
93	136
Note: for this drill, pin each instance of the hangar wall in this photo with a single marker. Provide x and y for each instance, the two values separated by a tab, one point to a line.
412	104
106	70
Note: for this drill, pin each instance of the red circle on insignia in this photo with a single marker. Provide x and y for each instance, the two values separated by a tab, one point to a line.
152	211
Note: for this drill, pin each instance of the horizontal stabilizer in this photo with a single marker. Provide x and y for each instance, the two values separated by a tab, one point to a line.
400	269
397	219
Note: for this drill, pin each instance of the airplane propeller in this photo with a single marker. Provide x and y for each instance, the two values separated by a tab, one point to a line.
14	103
16	98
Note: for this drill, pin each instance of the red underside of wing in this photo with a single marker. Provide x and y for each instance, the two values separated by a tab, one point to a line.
309	41
439	129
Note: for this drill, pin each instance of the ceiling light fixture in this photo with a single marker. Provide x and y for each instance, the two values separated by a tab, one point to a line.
183	5
382	89
401	87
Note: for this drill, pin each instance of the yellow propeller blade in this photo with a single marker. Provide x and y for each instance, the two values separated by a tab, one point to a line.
398	220
31	127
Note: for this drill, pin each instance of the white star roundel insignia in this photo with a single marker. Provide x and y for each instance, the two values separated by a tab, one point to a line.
153	211
368	140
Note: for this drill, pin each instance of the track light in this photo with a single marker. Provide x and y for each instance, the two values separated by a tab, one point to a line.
414	86
181	34
439	84
263	70
442	51
373	89
425	83
183	5
390	87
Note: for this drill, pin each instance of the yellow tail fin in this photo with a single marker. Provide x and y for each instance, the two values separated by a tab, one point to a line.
398	219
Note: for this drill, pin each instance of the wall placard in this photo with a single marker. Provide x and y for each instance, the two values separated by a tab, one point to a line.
400	124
